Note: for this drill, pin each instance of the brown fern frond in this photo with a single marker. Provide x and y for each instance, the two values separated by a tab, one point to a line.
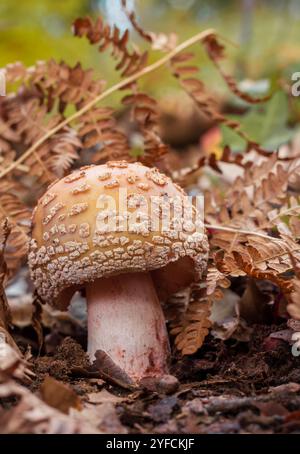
144	112
247	266
63	150
7	135
183	176
176	305
197	90
229	157
129	61
215	279
18	217
7	157
215	51
248	200
258	222
158	41
30	121
60	85
37	107
192	326
286	217
256	254
99	132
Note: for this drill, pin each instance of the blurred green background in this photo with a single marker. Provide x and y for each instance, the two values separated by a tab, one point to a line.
266	34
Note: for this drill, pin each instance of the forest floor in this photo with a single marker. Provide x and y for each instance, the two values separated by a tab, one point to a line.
228	387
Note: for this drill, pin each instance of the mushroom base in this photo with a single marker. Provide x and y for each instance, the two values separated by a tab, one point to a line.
125	320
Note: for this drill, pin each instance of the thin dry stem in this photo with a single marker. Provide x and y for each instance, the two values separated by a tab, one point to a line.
242	232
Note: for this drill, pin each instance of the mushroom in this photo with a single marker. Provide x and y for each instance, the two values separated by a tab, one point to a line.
117	231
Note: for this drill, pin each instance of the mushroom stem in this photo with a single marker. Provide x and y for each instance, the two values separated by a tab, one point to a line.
125	319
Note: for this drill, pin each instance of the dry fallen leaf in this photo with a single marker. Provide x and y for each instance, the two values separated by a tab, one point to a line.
32	416
103	416
110	371
101	408
104	396
59	396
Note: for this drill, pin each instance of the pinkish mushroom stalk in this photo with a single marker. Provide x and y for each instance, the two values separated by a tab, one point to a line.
125	319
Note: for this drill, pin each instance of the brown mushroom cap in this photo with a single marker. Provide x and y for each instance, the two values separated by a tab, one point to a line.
69	249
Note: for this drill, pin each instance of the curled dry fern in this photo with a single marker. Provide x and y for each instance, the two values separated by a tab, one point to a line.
255	228
184	69
144	112
190	324
188	311
105	37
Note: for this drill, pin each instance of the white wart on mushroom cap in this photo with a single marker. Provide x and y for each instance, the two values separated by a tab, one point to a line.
68	249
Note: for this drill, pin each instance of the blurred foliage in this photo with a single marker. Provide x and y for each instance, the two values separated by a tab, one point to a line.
38	30
266	124
32	30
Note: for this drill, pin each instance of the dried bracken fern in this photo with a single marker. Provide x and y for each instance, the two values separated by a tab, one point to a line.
99	133
188	311
215	51
17	214
144	112
185	70
254	228
129	61
185	175
191	326
214	280
158	41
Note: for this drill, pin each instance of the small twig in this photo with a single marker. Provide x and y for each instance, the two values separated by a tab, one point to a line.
122	84
242	232
21	167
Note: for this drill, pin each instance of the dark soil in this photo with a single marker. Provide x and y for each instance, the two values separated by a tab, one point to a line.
228	387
